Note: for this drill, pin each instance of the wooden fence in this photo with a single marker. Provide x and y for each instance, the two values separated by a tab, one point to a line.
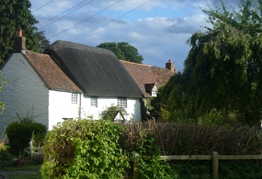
34	150
215	157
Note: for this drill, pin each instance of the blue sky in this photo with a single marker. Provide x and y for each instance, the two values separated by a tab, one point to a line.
159	29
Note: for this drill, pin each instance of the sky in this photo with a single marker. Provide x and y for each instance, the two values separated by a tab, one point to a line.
159	29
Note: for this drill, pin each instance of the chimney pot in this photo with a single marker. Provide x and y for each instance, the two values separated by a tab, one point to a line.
170	65
19	42
19	32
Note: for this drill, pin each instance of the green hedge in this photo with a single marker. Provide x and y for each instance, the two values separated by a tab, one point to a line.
194	139
20	132
84	149
102	149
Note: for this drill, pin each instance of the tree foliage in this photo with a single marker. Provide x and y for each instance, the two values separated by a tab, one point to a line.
222	72
16	14
20	132
84	148
123	51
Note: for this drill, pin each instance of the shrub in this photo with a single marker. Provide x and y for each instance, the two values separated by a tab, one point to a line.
2	146
194	139
20	132
111	112
151	139
84	149
36	159
6	159
150	167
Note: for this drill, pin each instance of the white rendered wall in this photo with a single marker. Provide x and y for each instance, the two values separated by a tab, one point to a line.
24	93
61	108
133	109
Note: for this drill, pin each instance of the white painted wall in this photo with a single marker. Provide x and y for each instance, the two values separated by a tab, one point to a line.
133	108
24	93
60	107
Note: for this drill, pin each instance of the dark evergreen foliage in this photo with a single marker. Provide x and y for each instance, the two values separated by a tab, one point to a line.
17	14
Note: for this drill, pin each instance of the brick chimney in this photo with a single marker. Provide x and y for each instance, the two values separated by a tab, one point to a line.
19	42
170	65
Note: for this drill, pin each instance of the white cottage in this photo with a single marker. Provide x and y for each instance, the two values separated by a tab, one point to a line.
69	81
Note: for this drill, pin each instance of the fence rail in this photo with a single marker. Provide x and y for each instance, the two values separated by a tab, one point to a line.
214	157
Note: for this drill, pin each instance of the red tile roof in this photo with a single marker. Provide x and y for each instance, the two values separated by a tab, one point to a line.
146	74
53	77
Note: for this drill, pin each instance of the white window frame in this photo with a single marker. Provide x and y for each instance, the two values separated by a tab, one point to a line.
94	102
74	98
122	102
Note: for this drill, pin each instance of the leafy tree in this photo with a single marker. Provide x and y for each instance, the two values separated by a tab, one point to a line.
123	51
43	42
16	14
222	73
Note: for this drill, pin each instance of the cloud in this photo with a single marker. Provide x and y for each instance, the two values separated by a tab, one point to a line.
159	29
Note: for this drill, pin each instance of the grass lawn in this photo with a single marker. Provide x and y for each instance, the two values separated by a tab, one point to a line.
22	168
24	176
23	172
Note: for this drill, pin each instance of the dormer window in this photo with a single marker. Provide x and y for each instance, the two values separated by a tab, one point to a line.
153	94
74	98
152	89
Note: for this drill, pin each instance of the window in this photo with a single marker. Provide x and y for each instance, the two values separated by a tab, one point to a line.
74	98
94	102
153	94
121	102
67	118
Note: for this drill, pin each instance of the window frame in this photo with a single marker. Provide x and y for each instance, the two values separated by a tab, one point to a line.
94	99
122	102
74	98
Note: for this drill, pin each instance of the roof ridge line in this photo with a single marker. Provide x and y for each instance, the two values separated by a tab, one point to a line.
139	64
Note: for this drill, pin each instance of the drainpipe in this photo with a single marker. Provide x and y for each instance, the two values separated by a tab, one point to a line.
80	106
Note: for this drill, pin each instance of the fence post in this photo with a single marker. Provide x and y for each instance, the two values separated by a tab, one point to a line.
136	166
31	146
215	165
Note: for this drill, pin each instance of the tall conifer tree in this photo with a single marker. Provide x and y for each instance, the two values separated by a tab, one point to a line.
16	14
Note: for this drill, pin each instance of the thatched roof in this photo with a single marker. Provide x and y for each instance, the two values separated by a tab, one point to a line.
98	72
50	73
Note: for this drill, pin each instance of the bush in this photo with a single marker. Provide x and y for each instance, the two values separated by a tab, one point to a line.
151	139
150	167
20	132
6	159
36	159
194	139
84	149
111	112
2	146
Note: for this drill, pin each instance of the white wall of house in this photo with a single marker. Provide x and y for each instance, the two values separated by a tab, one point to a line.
24	94
133	109
61	107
